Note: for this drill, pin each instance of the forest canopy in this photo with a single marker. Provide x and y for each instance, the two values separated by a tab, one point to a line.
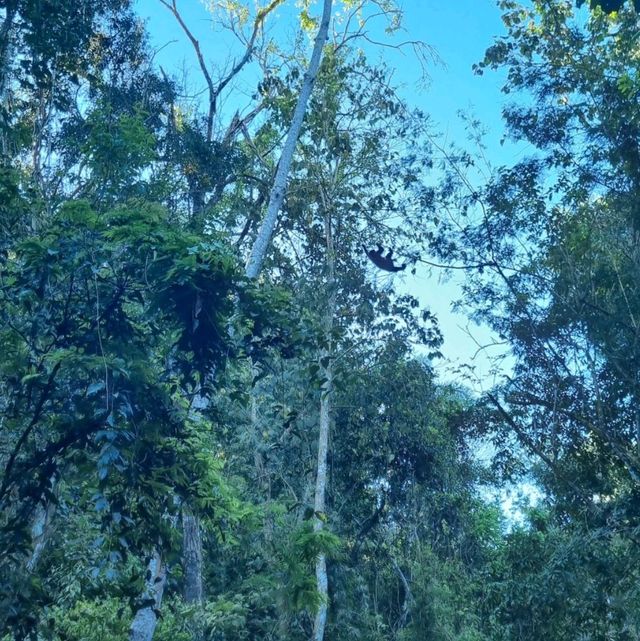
222	418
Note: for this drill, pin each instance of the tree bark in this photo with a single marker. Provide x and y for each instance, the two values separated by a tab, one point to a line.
5	65
192	558
192	553
40	528
254	266
408	596
144	622
276	196
322	582
326	397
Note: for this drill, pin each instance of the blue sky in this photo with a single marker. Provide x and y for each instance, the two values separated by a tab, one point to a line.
459	32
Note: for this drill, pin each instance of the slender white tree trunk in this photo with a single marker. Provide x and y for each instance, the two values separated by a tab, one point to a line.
146	618
40	527
319	503
40	533
326	398
276	196
254	265
256	260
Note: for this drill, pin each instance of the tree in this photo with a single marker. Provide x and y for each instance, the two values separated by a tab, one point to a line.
550	248
84	388
327	476
319	244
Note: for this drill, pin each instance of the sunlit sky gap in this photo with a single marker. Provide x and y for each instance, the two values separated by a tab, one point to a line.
459	33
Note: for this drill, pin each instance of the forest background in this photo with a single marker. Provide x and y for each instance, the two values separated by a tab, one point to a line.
192	449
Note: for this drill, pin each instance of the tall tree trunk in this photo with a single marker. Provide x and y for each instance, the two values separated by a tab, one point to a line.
192	558
192	553
40	528
326	398
254	266
146	618
6	33
322	581
276	196
408	596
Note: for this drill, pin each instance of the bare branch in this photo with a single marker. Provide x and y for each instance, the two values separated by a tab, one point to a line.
216	90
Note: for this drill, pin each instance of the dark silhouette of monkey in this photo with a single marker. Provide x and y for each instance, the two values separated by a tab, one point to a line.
383	262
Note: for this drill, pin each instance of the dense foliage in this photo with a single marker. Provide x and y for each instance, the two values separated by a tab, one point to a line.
161	414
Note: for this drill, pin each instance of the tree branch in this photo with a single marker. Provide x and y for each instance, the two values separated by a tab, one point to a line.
6	481
276	197
215	91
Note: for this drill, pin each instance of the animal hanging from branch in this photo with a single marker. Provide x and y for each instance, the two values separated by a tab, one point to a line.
383	262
